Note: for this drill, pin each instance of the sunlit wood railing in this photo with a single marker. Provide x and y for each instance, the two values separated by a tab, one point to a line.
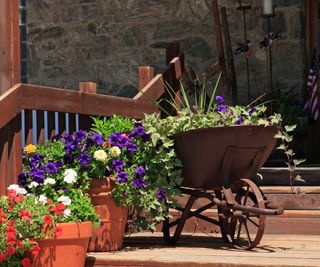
32	113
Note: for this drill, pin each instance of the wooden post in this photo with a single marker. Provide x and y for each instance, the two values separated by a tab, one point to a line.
9	44
88	87
172	51
146	74
230	70
219	45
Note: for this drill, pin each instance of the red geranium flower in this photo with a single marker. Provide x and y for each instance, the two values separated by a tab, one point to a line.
2	257
10	231
60	208
11	240
19	244
25	215
47	219
26	262
58	231
10	250
19	198
10	208
35	250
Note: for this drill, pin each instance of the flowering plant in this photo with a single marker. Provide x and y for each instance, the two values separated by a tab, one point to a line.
22	223
118	148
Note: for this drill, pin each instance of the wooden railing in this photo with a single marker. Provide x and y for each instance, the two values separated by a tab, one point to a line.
32	113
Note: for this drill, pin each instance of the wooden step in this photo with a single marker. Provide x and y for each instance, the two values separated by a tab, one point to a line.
280	176
145	249
293	198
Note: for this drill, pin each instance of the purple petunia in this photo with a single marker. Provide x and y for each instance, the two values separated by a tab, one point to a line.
161	194
90	142
56	137
146	137
68	138
222	108
37	175
132	148
59	164
139	183
22	179
35	160
98	138
140	171
122	177
139	129
70	146
80	135
117	165
118	139
84	158
51	167
239	120
220	99
68	158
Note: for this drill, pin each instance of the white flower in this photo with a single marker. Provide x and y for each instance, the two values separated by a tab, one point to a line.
100	155
49	181
19	190
33	184
70	176
41	199
115	151
67	212
65	200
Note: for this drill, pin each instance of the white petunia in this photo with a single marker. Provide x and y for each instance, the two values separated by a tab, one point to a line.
49	181
67	212
115	151
70	176
41	199
19	190
100	155
65	200
33	184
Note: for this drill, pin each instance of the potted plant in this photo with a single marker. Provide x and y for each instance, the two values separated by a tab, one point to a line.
49	178
28	225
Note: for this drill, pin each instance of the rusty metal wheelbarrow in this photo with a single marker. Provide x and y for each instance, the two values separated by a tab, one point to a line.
218	164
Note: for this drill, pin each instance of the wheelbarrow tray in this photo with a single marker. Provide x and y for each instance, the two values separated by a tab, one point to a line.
202	152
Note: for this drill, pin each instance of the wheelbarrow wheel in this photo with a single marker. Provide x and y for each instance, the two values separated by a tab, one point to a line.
242	228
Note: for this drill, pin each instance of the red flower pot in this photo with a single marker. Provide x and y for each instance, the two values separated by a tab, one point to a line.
69	249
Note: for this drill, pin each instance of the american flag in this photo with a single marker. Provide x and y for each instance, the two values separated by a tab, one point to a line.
311	104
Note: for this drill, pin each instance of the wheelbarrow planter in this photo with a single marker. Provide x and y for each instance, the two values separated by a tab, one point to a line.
218	164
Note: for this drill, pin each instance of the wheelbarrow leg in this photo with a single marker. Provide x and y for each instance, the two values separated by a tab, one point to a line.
181	222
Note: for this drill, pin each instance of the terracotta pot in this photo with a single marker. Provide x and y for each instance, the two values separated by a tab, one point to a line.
109	235
69	249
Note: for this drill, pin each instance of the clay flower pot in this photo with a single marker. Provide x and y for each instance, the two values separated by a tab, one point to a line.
69	249
109	235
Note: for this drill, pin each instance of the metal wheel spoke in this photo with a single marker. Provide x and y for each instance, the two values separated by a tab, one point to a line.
246	196
253	222
239	230
248	234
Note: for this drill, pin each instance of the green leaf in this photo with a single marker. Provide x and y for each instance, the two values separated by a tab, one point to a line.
298	178
282	147
290	128
298	161
154	138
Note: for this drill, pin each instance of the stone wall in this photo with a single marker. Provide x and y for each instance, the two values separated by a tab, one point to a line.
106	40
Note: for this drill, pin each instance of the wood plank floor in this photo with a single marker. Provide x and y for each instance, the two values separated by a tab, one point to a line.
145	249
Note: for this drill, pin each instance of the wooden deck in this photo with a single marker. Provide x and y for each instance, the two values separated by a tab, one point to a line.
147	249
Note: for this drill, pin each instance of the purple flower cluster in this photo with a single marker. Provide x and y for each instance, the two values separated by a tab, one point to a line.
139	181
75	147
161	194
221	107
239	120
